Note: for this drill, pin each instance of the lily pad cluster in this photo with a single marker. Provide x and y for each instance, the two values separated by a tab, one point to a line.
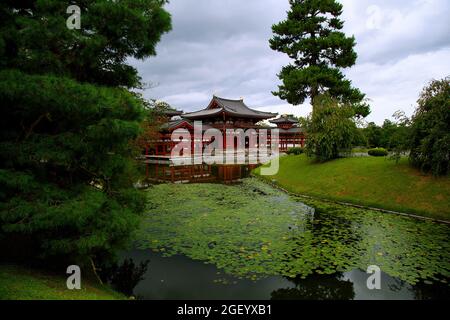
252	230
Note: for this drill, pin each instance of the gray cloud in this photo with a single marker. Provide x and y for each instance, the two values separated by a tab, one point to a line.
221	46
387	31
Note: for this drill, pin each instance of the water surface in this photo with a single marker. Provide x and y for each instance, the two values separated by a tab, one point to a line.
250	241
179	277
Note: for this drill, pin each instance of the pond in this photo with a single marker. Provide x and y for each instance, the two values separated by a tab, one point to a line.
250	241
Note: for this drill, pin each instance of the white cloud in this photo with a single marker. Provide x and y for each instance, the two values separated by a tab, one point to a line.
299	111
393	30
396	85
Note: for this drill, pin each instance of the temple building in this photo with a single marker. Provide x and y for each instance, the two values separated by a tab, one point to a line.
291	135
226	113
221	114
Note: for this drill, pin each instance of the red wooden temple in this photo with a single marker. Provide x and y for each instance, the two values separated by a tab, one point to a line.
290	133
221	114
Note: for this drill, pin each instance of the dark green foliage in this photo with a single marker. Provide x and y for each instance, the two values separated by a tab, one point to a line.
34	38
295	150
388	129
67	167
331	129
378	152
430	130
393	136
67	171
360	140
399	142
373	135
312	37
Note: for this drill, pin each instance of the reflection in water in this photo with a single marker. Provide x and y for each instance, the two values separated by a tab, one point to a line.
317	287
179	277
423	291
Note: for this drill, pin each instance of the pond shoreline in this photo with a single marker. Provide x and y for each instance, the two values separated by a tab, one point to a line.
253	229
410	215
256	241
164	280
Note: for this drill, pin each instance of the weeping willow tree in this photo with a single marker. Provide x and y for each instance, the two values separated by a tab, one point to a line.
331	129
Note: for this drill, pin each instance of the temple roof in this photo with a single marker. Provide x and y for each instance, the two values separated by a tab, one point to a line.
173	124
178	123
168	111
172	112
285	118
236	108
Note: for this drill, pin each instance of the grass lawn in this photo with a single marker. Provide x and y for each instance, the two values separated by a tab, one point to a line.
370	181
19	283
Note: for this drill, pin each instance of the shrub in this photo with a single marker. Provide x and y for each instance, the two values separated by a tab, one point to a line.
378	152
295	151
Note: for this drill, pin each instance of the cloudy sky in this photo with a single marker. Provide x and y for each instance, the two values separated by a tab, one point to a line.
221	47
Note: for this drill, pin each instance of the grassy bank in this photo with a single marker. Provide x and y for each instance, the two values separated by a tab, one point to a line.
370	181
19	283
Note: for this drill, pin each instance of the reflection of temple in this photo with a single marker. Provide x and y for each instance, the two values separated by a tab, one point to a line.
221	114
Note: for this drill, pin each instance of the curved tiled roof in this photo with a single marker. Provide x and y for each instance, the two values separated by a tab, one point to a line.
284	119
231	107
172	112
174	123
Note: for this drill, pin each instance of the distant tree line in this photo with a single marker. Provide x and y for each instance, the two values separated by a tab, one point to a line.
332	130
385	136
426	135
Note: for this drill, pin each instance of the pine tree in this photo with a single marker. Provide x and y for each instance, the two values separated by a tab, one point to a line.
311	37
67	167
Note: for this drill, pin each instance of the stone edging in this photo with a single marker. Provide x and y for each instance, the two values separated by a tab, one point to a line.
276	186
